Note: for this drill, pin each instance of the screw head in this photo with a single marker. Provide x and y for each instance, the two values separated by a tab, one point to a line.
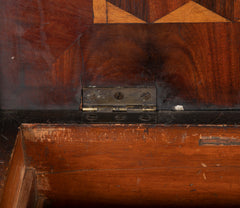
145	96
119	95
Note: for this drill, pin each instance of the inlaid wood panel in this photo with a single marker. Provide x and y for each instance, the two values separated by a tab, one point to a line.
42	61
192	12
155	10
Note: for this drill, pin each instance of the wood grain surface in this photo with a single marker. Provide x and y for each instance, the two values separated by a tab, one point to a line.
133	165
163	187
195	64
237	10
148	144
100	11
34	36
12	189
28	193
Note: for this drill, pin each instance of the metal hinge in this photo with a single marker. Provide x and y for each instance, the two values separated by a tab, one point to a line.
119	99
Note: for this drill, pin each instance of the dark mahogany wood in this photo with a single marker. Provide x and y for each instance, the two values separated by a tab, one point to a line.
191	64
237	10
49	49
37	52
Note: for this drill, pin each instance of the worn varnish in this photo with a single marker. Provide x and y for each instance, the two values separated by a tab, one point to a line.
141	165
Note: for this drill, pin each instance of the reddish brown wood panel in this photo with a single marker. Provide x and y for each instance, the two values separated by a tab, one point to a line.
160	187
34	36
133	165
237	10
64	148
191	63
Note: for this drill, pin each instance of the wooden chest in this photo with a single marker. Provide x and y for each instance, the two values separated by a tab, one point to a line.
124	103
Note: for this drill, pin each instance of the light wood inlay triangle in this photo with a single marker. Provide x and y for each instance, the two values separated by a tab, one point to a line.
192	12
117	15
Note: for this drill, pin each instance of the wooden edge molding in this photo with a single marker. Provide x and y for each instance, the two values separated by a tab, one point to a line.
15	177
27	196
